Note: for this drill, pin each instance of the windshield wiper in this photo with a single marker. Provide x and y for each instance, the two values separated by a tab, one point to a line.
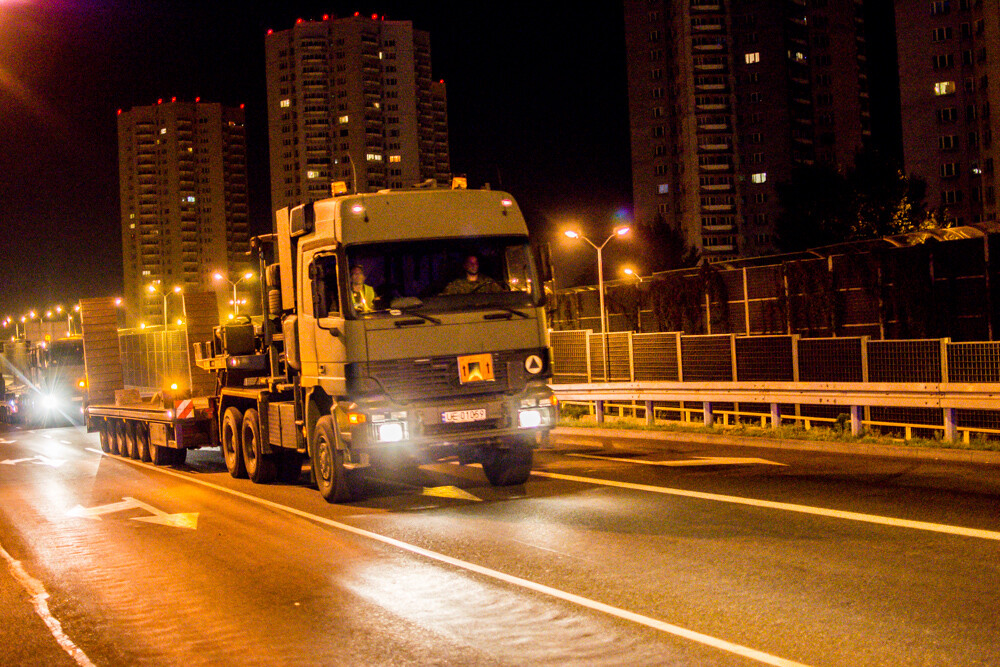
409	305
512	311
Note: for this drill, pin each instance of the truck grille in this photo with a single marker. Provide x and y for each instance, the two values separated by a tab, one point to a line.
413	379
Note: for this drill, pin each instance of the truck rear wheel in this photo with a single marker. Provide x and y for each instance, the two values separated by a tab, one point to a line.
328	462
509	466
105	432
160	455
260	467
232	447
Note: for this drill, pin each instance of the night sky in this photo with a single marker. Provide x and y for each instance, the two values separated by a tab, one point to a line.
536	99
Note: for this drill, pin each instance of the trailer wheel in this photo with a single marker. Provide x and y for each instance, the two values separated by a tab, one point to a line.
118	445
260	466
104	430
142	441
160	455
508	466
131	444
232	447
328	463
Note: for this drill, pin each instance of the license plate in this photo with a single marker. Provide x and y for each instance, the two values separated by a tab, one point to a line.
460	416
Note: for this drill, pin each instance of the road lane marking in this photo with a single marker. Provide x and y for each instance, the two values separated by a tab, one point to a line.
449	492
41	460
677	631
180	520
40	600
787	507
696	461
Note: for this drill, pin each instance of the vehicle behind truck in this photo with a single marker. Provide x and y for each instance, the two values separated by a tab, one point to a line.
424	360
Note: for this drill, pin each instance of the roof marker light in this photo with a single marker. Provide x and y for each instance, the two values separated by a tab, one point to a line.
506	202
357	208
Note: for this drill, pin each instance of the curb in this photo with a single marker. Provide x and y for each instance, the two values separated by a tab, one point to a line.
864	449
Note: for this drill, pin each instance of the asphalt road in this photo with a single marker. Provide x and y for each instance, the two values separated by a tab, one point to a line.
611	554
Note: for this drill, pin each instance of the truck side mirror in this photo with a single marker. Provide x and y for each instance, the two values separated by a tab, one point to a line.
543	260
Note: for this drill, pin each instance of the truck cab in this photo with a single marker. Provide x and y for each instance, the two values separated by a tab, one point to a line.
410	325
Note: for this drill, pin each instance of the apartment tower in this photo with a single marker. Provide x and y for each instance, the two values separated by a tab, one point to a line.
352	100
947	51
183	186
727	97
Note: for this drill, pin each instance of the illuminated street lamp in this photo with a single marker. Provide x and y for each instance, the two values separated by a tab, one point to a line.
236	302
621	230
156	287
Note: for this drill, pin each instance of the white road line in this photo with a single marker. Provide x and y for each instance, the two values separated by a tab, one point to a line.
707	640
787	507
40	600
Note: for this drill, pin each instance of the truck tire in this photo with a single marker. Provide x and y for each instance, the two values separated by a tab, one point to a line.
105	432
508	466
232	447
131	444
178	456
328	462
160	455
118	445
260	467
142	441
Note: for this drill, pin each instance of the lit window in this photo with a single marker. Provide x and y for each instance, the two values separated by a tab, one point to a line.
163	130
312	174
395	158
286	103
944	88
190	200
132	226
663	188
751	58
759	177
343	119
147	272
373	157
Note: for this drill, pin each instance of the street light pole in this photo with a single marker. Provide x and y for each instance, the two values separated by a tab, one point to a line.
246	276
619	231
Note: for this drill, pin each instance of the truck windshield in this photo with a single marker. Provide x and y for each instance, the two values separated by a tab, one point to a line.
442	274
66	353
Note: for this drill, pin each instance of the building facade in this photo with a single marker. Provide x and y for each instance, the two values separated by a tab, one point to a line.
352	100
947	51
727	97
183	187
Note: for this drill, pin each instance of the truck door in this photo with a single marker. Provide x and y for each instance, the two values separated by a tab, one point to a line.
321	323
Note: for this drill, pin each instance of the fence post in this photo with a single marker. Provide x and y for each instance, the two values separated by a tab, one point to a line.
775	415
709	417
746	303
631	358
599	411
586	346
708	313
736	376
856	426
795	371
944	359
650	417
950	425
864	372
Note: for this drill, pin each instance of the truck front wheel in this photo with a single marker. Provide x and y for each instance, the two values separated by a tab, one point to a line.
232	447
509	466
328	463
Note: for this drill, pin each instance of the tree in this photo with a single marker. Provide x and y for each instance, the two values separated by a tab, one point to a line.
874	198
663	247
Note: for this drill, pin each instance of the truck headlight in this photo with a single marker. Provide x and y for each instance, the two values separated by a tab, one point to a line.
50	402
390	432
529	418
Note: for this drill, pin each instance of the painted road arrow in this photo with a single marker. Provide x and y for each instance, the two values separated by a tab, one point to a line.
697	461
41	460
181	520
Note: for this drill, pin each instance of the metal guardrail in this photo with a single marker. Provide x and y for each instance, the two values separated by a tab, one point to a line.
855	396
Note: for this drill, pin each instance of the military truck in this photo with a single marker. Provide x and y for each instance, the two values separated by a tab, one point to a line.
382	344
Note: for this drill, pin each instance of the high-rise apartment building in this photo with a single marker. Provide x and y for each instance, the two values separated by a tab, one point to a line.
727	97
183	185
352	100
947	51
